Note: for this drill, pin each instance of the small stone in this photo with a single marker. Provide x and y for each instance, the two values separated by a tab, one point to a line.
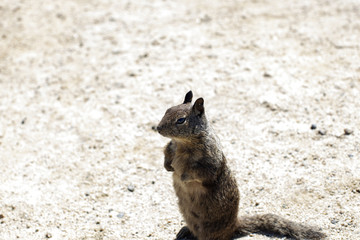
204	19
267	75
48	235
2	216
120	215
87	194
155	43
145	55
131	74
322	132
61	16
313	126
334	221
23	121
350	155
299	181
131	187
348	131
116	52
356	190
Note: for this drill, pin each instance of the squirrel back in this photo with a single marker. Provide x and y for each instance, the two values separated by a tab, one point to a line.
208	195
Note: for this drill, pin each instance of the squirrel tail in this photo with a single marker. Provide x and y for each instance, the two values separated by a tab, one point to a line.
277	225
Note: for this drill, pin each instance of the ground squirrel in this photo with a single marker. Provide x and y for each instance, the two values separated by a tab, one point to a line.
207	191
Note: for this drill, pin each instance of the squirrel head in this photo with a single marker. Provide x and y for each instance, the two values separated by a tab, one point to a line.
184	121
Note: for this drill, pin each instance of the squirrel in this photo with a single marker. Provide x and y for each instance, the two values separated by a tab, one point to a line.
208	195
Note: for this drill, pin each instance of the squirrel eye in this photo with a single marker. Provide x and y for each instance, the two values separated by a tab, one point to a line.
180	121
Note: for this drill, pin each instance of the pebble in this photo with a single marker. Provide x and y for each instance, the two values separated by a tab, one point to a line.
356	190
322	132
334	221
120	215
131	74
131	187
313	126
116	52
348	131
300	181
204	19
48	235
2	216
267	75
145	55
155	43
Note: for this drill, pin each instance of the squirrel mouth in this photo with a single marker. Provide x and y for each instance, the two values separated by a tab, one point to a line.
160	130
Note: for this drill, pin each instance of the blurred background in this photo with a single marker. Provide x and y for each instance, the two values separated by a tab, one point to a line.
83	84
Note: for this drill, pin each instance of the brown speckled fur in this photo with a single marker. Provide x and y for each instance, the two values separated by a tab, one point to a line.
207	191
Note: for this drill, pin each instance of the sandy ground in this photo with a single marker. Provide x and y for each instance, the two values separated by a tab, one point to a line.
84	81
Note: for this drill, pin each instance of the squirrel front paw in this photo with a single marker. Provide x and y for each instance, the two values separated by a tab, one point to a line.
168	167
185	234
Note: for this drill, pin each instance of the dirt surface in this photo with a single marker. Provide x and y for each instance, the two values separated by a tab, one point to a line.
83	82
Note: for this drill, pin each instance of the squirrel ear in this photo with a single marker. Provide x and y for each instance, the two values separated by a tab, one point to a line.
198	107
188	97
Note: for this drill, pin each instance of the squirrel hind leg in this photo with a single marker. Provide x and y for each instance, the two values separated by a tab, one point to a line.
274	224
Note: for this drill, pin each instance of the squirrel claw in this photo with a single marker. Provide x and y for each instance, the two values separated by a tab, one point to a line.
185	234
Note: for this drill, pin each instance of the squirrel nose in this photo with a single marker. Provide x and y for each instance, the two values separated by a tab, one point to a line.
158	128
